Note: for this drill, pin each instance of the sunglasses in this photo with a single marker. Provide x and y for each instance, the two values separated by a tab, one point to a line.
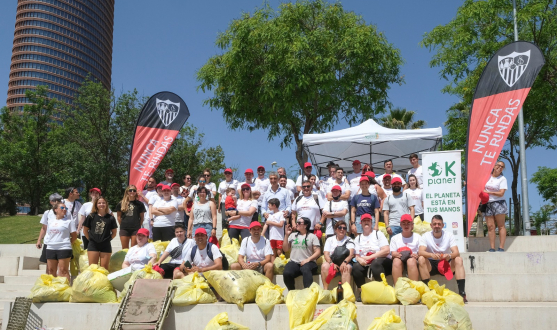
207	175
132	190
188	178
201	181
63	208
299	223
306	187
341	228
260	170
246	189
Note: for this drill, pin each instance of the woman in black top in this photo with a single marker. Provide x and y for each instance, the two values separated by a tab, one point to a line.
100	228
130	213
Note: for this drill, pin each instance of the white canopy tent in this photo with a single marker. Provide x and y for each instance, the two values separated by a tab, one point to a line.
370	143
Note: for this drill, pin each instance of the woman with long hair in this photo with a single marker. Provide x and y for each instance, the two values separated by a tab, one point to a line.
417	195
496	208
100	228
131	213
305	249
240	219
203	214
60	234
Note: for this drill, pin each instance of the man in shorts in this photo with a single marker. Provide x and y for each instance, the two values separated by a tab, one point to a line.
255	252
404	250
439	255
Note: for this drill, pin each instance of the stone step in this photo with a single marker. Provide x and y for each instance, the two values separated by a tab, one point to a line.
510	262
14	280
31	272
516	244
19	250
8	287
484	316
42	267
10	265
14	294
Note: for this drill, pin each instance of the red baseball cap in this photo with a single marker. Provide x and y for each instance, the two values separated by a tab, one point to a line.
364	178
386	175
337	187
484	197
169	170
307	164
228	170
356	162
260	166
245	185
143	231
254	224
96	189
174	185
444	268
395	180
249	170
370	173
165	187
159	185
200	231
406	217
365	216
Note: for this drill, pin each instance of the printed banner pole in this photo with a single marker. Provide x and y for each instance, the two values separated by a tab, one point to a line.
500	93
442	185
159	122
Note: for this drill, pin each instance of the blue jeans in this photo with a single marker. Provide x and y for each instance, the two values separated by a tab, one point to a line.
359	228
396	230
208	227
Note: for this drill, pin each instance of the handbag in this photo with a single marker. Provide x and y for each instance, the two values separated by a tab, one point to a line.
340	253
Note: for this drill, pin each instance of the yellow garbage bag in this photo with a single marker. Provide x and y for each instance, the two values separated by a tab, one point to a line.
447	315
421	227
383	229
224	239
348	293
337	317
301	305
279	264
193	290
116	260
267	296
48	288
325	296
236	286
84	260
388	321
92	285
437	292
74	262
146	273
378	292
405	291
160	247
220	322
231	251
320	260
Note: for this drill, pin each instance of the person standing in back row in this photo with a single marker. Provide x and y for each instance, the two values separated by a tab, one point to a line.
94	194
416	169
164	211
229	182
60	234
73	205
496	208
395	206
47	215
388	165
130	212
100	229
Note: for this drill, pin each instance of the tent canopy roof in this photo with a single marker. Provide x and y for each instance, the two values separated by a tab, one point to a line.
370	143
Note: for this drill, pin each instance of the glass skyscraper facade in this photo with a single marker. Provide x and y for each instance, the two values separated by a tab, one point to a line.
59	43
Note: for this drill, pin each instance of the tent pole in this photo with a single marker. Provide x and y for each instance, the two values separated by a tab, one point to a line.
370	154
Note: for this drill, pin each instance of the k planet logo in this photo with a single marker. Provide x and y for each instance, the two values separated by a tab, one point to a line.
168	111
512	66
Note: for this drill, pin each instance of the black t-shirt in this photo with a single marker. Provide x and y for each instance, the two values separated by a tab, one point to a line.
100	228
131	220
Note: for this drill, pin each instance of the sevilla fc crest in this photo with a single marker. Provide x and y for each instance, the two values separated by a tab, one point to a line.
512	66
168	111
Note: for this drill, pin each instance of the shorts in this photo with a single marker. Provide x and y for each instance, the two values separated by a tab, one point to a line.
103	247
169	269
276	244
128	233
231	209
434	269
58	254
495	208
43	254
207	226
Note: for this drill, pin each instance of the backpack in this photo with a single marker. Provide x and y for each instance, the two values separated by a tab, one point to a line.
210	255
316	199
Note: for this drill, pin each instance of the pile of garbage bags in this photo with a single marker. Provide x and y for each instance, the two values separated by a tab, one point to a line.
236	287
93	286
48	288
191	290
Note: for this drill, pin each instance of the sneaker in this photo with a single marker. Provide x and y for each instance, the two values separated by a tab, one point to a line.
500	250
464	298
491	250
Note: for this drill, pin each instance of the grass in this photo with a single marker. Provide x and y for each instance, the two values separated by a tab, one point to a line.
19	229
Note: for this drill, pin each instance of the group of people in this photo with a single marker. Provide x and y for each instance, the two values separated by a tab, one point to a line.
338	215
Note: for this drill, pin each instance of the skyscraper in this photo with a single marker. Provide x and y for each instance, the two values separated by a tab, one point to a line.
58	43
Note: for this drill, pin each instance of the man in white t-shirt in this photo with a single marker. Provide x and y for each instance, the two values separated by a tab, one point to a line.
73	205
305	176
229	182
309	207
339	182
255	253
263	184
404	250
334	210
145	195
388	165
180	200
290	184
416	169
354	177
203	259
437	251
386	184
169	177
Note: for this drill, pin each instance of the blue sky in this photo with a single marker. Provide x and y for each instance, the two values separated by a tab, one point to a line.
159	45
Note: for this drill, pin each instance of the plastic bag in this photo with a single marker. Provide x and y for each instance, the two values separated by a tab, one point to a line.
147	273
320	260
378	292
74	262
421	227
447	315
193	290
84	261
236	286
336	317
325	296
220	322
48	288
160	247
279	264
231	251
92	285
437	292
224	239
383	229
267	296
348	292
388	321
301	305
116	260
405	291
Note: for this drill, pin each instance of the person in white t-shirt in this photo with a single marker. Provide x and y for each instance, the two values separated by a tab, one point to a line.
210	185
388	165
339	182
404	250
334	210
229	182
354	177
316	189
342	259
372	255
164	210
142	253
201	182
263	183
416	169
304	177
144	197
385	183
47	215
175	188
206	256
255	253
290	184
275	224
72	194
496	208
439	247
177	250
417	194
60	234
309	207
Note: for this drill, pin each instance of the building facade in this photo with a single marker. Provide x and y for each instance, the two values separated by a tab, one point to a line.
59	43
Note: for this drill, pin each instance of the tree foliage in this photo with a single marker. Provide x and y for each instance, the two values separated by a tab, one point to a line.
462	49
298	70
400	118
546	182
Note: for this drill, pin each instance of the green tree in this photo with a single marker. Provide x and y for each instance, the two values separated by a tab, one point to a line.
33	158
542	217
400	118
546	182
300	69
464	46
